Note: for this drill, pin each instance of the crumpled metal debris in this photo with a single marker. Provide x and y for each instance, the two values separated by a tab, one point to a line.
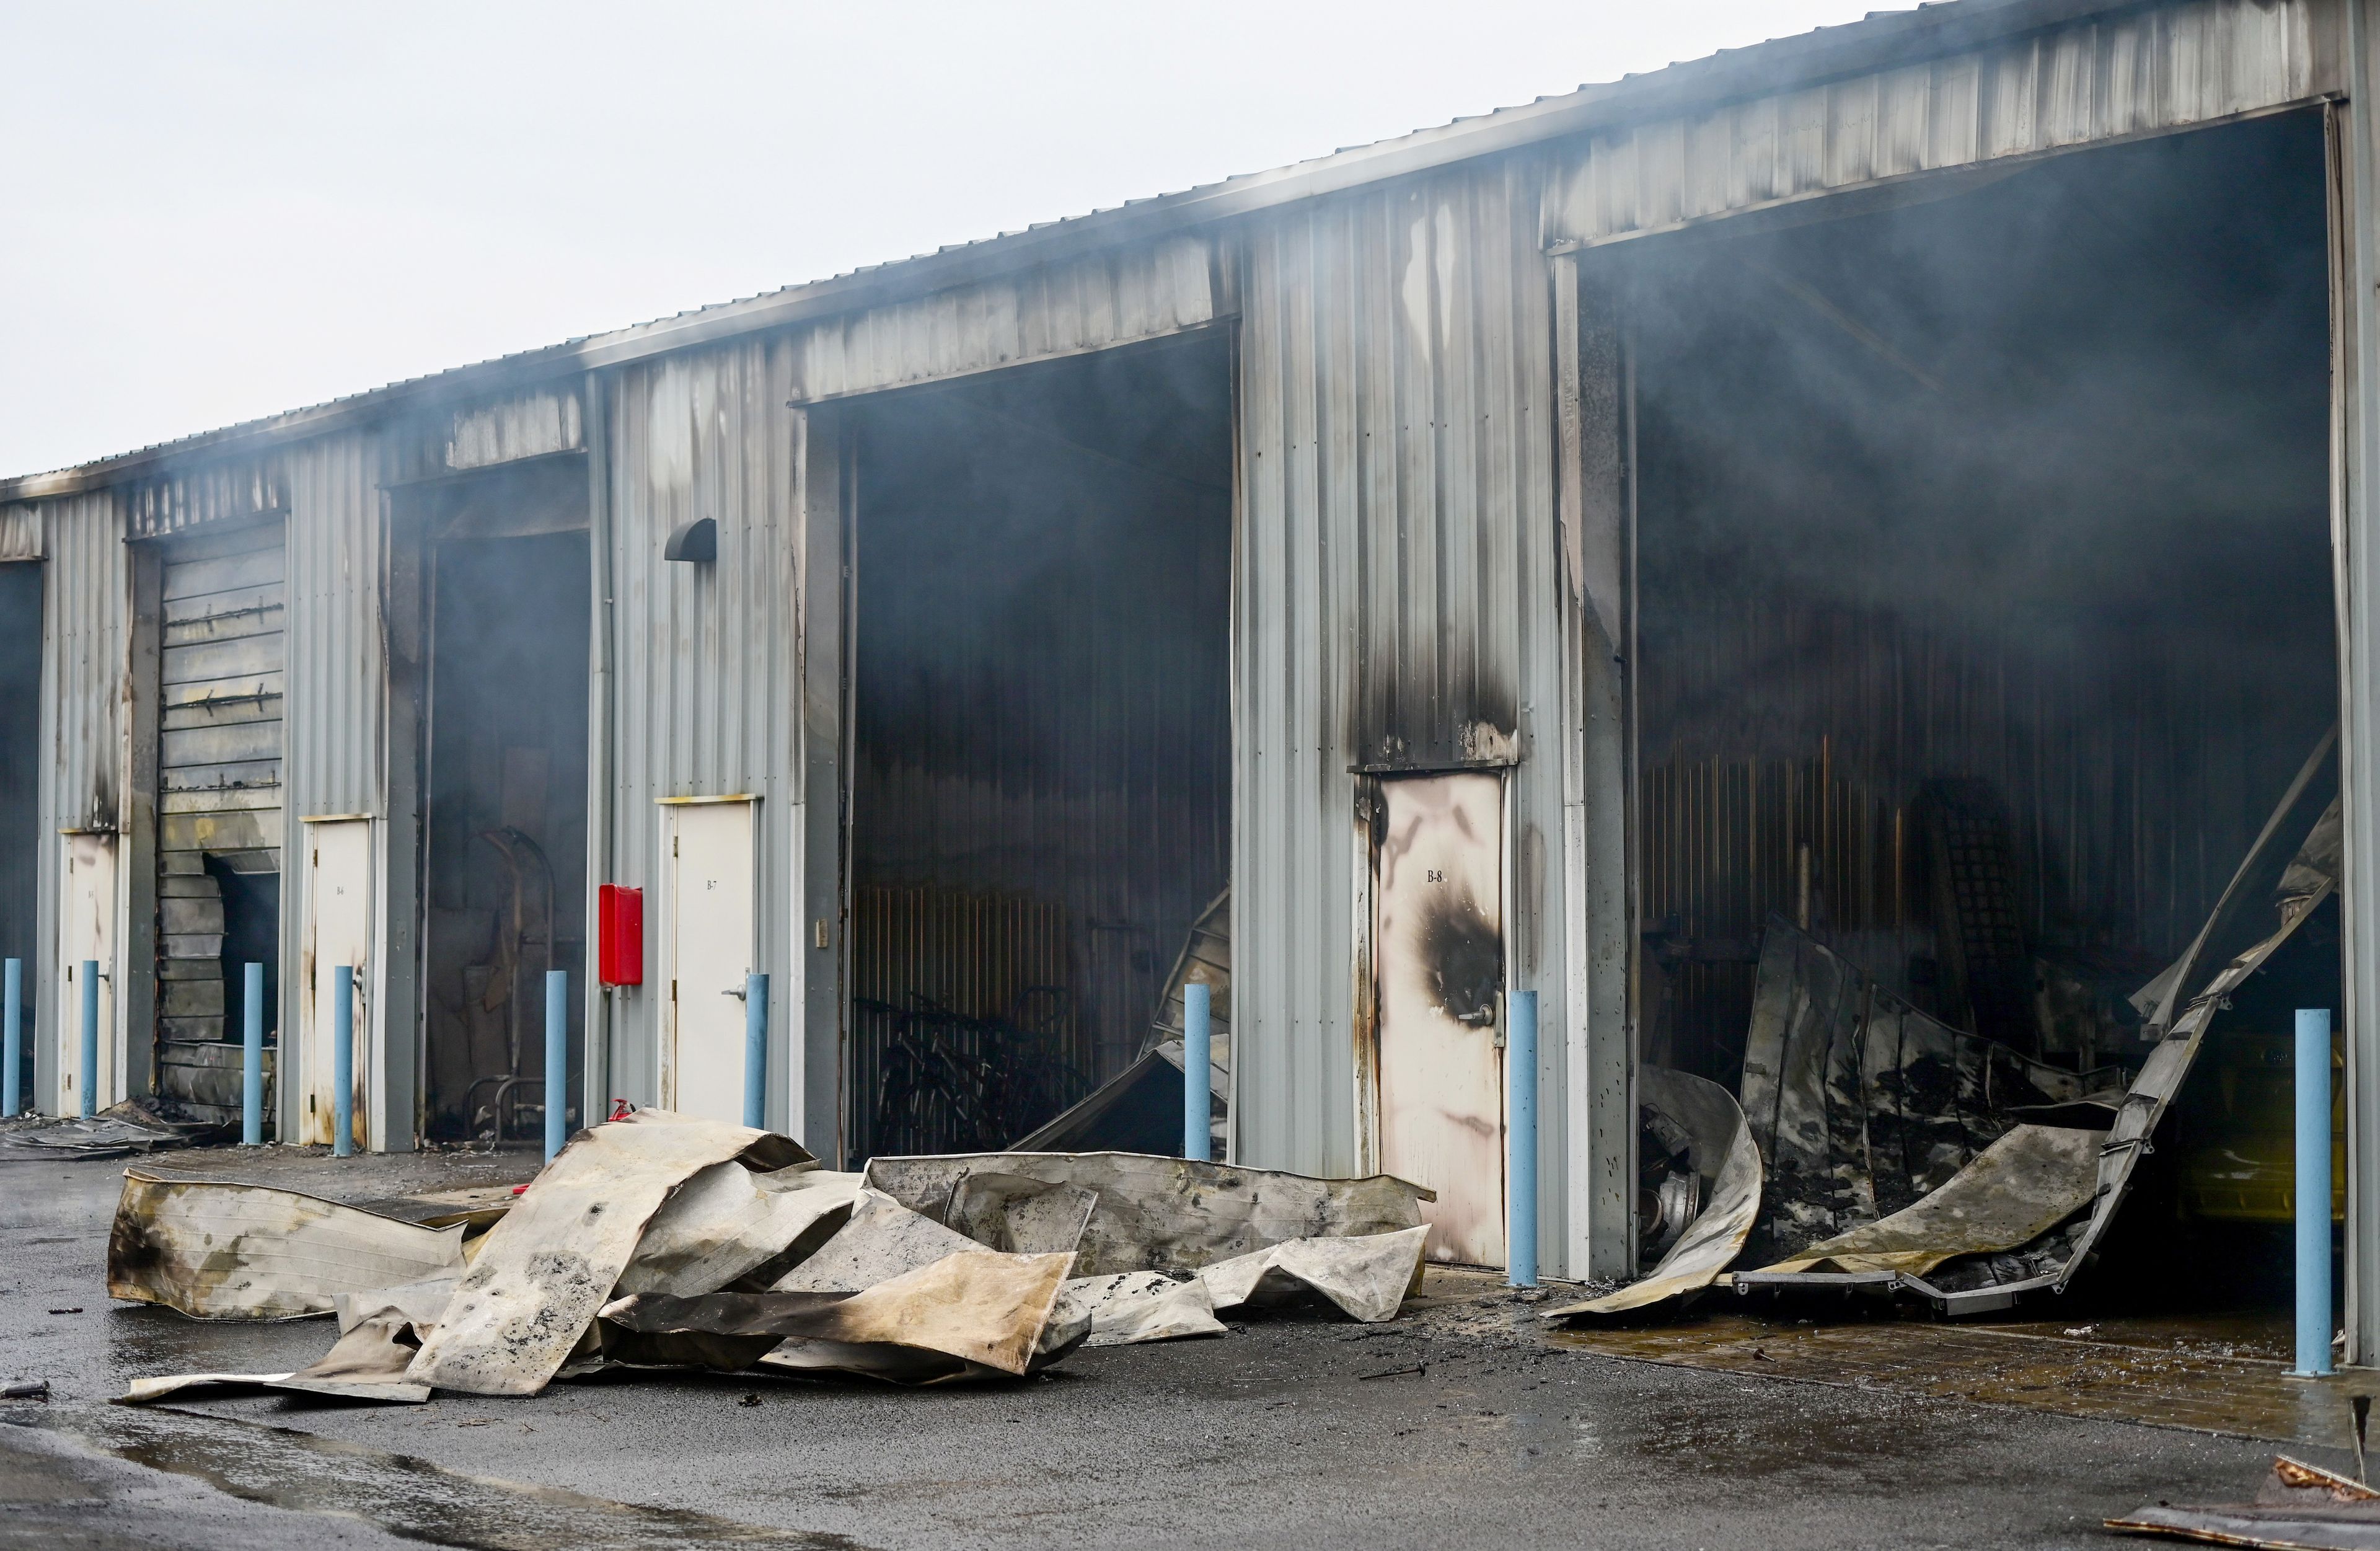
1366	1278
133	1128
981	1309
1722	1154
663	1241
2017	1188
534	1286
212	1249
1861	1104
728	1224
2302	1508
1132	1307
880	1240
1160	1214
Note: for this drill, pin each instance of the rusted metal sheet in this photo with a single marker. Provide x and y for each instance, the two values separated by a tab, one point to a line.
2133	72
1135	291
1437	911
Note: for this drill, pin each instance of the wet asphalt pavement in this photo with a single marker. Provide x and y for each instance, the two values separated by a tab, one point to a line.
1454	1424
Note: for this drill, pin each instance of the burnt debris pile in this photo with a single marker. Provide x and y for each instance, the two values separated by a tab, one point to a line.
663	1242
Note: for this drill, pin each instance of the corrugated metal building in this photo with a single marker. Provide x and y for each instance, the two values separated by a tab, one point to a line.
1431	568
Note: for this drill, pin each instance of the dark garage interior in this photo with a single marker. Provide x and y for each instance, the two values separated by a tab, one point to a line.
1985	612
1041	780
506	843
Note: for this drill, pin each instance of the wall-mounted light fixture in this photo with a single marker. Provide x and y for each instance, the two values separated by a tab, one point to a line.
696	542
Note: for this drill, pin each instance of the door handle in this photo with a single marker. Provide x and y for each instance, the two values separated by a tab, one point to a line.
734	991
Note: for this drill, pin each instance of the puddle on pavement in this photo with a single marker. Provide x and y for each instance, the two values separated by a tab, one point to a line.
2204	1372
399	1492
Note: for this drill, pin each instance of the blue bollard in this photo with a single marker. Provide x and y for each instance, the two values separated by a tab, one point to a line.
756	1050
557	1058
2313	1193
89	1038
343	1061
1197	1063
251	1056
1521	1139
12	1036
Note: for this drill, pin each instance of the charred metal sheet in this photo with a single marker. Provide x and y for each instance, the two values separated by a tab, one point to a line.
1156	1213
541	1273
880	1239
1367	1278
1020	1215
2303	1508
367	1362
1861	1104
2017	1188
215	1249
2290	869
1136	1306
1722	1154
728	1223
981	1307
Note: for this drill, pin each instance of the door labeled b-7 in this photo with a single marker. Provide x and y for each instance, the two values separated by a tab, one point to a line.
1438	958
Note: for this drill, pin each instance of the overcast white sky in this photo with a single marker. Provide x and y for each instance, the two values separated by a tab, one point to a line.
213	211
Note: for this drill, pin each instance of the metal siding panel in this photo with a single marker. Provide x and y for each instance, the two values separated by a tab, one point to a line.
20	531
1138	292
86	596
1396	492
2152	71
529	424
704	687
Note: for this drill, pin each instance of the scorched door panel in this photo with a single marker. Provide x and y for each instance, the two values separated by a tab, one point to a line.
86	932
338	931
712	935
1438	966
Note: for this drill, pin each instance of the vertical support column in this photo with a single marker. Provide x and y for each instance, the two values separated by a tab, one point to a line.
1521	1139
88	1085
595	1060
12	1037
1197	1061
756	1050
1597	508
557	1059
820	928
2355	442
343	1061
251	1056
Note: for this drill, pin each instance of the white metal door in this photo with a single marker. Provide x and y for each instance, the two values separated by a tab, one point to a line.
338	931
1438	966
712	933
87	931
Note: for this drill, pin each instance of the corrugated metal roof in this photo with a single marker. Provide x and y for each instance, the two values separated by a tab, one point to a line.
1878	39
